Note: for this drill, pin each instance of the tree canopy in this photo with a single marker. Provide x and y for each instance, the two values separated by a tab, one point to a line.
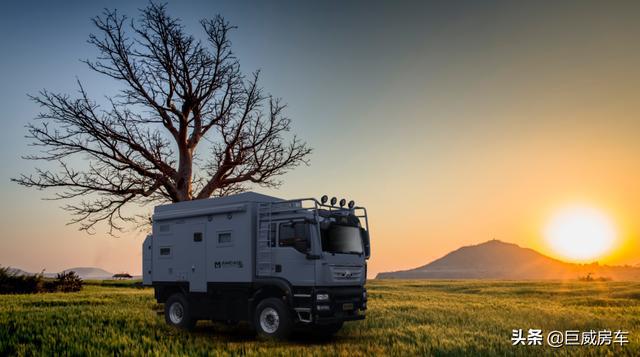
177	92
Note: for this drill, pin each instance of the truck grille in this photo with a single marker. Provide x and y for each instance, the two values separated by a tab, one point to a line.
346	274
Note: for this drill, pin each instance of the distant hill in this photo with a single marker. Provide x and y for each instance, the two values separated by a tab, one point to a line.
500	260
17	271
83	272
90	273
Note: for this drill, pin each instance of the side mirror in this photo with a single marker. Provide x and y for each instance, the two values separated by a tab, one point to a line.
366	244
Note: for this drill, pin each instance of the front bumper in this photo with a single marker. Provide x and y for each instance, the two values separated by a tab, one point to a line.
328	320
345	303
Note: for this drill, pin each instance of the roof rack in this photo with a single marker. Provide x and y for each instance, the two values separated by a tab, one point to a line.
311	204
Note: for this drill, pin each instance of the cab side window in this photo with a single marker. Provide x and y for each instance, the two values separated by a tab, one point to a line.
295	234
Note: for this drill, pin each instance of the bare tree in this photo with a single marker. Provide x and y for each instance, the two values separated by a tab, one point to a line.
141	147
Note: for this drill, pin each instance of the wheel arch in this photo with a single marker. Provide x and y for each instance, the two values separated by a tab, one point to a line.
163	291
267	288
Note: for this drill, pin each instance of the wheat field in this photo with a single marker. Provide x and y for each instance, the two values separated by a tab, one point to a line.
404	318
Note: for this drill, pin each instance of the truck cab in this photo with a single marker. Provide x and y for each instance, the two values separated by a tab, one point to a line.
278	264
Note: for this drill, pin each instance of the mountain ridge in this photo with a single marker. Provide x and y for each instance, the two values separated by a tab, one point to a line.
496	259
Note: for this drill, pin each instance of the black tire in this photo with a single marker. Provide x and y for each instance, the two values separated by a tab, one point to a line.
325	331
272	320
177	312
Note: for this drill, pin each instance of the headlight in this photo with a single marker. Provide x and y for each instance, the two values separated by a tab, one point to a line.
322	297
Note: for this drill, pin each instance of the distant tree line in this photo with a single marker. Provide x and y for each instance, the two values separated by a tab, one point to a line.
121	276
15	283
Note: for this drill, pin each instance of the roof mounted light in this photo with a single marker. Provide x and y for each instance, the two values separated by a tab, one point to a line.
351	204
342	202
333	200
324	199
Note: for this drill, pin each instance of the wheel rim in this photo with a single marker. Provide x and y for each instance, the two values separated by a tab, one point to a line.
176	313
269	320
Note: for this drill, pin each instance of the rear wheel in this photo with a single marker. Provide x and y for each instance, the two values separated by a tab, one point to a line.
272	319
177	312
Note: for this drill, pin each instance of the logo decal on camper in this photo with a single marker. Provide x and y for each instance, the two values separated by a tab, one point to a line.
228	264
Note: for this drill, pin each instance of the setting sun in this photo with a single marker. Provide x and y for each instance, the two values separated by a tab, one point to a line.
580	233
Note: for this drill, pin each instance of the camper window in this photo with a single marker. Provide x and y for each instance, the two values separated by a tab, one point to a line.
225	239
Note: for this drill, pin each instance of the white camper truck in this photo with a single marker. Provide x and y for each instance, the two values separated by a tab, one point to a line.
250	257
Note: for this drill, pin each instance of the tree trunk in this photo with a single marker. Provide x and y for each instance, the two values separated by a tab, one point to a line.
185	171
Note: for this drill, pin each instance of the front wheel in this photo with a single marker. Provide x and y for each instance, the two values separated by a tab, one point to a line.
177	312
272	320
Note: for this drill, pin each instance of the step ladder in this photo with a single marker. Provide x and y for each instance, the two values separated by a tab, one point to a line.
264	251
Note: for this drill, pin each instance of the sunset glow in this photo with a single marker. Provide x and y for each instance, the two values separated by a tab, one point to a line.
580	233
453	125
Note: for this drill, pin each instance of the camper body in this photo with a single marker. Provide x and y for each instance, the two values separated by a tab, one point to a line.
275	263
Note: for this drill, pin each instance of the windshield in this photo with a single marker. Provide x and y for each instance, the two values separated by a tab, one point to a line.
341	239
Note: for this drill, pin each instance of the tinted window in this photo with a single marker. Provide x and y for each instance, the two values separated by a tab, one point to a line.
341	239
294	235
197	237
165	251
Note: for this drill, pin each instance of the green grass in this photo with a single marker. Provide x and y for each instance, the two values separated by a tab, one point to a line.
404	318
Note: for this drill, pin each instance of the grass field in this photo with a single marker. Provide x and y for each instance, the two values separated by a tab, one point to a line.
404	318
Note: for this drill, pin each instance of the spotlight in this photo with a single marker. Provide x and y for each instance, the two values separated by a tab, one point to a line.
333	200
342	202
351	204
324	199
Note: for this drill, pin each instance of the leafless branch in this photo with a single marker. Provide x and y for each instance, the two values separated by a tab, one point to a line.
140	148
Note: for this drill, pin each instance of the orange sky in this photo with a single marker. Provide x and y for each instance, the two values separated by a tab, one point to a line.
474	125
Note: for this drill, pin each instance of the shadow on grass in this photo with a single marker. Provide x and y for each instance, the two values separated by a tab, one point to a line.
242	332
